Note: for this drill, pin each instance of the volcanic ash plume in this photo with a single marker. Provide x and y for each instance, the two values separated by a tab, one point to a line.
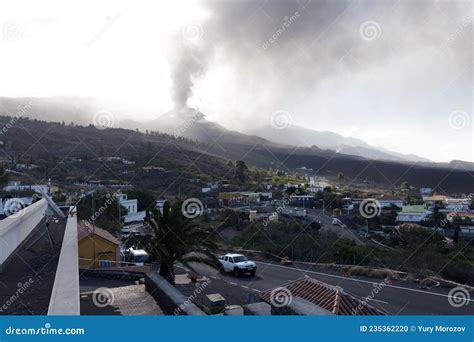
187	68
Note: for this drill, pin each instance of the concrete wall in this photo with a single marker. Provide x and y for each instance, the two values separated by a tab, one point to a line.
170	300
15	229
65	295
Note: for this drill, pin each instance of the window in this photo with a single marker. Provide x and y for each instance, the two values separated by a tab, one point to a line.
240	259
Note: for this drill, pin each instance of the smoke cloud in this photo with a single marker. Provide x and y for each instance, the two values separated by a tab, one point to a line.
189	65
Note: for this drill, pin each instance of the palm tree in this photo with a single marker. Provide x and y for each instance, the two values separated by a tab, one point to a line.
178	239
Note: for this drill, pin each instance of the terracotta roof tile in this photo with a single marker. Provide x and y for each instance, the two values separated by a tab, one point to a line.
84	229
329	297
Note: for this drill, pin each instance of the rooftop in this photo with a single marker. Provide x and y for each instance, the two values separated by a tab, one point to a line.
390	198
85	229
416	209
436	198
331	298
26	283
461	214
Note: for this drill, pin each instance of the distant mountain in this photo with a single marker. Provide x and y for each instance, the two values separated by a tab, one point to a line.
57	109
300	136
51	146
461	165
192	124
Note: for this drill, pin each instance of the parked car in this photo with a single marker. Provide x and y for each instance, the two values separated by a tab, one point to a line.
238	264
286	261
136	256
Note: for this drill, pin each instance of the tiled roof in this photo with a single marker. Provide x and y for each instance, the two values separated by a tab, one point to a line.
462	214
84	229
329	297
436	198
390	198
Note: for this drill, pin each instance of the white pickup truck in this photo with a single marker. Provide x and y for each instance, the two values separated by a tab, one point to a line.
238	264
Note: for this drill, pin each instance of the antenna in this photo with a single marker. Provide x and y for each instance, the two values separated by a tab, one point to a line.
51	203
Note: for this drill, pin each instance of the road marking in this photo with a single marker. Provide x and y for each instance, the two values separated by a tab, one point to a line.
359	280
232	283
245	287
375	300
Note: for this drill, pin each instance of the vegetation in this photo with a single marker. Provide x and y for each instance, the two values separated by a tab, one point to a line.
145	199
102	208
414	250
179	239
241	171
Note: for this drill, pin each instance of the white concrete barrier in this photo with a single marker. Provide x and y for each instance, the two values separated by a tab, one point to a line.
15	228
65	295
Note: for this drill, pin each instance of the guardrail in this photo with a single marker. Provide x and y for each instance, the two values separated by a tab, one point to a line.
15	228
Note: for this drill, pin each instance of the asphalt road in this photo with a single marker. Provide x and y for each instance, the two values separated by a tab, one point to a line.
326	220
399	298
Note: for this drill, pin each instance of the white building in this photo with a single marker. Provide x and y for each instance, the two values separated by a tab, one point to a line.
135	217
413	213
315	189
426	191
457	204
130	205
17	186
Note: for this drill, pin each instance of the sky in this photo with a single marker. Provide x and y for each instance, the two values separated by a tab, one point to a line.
397	74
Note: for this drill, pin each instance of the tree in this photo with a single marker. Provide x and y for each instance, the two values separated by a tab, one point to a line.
145	199
3	177
405	189
340	176
241	171
179	239
104	211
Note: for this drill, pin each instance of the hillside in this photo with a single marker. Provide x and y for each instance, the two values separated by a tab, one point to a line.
55	148
300	136
73	153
